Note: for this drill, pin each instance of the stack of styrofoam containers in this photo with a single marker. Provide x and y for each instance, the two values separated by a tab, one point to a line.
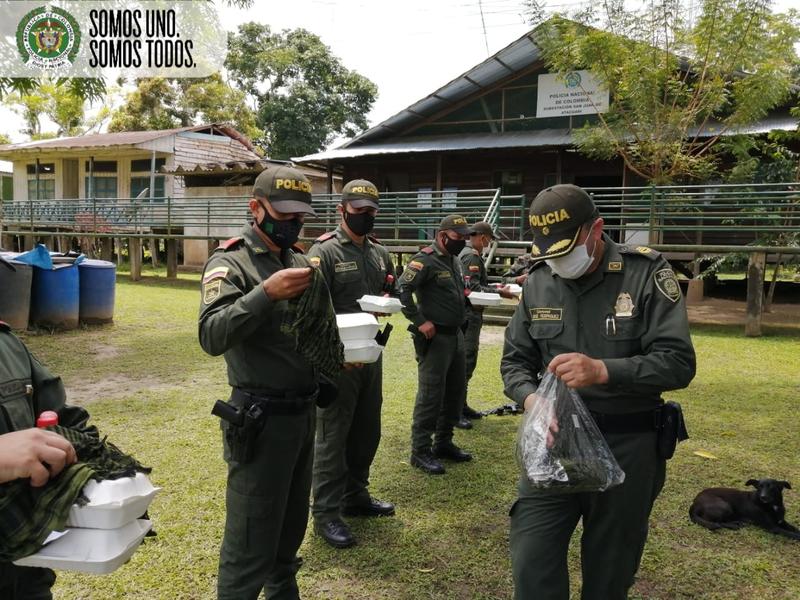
380	304
358	331
102	534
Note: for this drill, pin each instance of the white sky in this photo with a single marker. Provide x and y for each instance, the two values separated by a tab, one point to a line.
408	48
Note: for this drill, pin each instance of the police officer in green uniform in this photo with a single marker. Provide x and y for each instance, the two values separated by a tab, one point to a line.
481	235
434	274
26	390
246	285
610	321
348	431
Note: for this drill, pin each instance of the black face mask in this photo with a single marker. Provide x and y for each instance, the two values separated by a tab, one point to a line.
453	247
359	223
282	233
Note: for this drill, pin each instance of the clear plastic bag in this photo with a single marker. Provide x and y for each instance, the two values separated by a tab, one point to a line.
579	459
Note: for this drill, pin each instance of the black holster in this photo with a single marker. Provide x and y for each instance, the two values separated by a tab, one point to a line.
241	427
421	343
671	429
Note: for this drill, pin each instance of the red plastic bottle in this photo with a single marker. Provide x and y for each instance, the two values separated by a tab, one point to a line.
48	418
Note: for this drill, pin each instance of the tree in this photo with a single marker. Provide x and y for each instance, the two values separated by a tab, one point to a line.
303	95
159	103
58	102
675	87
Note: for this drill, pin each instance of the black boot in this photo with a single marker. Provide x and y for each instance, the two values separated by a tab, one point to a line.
428	463
471	413
336	533
452	452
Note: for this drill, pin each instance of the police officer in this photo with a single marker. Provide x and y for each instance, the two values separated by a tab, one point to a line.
348	432
26	390
245	288
481	235
609	320
434	274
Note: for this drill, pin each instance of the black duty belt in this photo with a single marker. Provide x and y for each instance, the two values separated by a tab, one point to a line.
276	403
447	329
639	422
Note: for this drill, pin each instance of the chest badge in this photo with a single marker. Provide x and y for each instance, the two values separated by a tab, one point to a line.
624	306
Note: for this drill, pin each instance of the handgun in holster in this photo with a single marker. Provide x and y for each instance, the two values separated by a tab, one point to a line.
421	343
382	337
241	427
671	429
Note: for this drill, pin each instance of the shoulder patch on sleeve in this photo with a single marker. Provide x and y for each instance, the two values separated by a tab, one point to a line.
408	275
667	284
215	273
211	291
231	243
415	264
326	236
314	260
427	250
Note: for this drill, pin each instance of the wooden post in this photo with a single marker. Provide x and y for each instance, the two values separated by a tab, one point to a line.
107	248
172	258
153	242
135	256
755	293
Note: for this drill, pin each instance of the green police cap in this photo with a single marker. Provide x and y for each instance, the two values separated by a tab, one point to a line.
455	222
360	192
287	189
481	228
556	216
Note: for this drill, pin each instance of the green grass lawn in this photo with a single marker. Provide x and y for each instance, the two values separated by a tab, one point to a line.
150	387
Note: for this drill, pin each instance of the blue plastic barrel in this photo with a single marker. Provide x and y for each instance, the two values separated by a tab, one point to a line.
54	297
15	292
98	282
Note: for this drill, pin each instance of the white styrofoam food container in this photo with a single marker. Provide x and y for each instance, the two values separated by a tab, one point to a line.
514	288
112	504
485	299
362	351
380	304
96	551
357	326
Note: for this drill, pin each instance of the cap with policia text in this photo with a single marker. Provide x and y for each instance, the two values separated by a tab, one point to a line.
556	216
360	192
481	228
287	189
455	222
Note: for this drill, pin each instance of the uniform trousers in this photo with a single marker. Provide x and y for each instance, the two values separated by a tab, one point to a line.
615	524
348	433
267	511
472	340
441	389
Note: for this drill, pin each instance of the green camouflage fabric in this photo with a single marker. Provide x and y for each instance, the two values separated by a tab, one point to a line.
30	514
310	319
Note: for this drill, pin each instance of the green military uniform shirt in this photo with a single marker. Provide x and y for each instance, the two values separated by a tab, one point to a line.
629	312
438	281
237	317
27	389
474	268
351	270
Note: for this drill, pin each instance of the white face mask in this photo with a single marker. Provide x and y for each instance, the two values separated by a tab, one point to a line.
574	264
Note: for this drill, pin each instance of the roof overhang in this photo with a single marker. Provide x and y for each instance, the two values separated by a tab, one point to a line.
544	138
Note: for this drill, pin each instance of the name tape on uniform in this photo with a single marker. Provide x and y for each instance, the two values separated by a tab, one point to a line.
547	314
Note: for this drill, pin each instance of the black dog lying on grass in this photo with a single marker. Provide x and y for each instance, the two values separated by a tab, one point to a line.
729	508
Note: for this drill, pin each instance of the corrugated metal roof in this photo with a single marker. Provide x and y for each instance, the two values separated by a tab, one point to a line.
516	139
238	166
517	56
122	138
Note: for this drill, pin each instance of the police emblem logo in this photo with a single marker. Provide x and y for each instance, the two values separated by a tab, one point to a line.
211	291
667	284
408	275
624	306
615	265
48	38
